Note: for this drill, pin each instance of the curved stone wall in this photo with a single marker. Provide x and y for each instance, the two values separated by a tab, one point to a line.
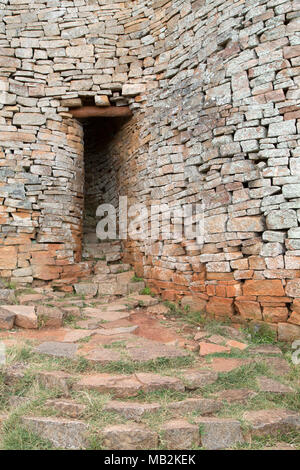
215	89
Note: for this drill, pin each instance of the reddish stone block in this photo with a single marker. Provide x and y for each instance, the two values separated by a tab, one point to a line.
220	291
46	272
270	299
294	318
162	274
8	257
296	305
264	287
220	306
234	290
249	310
220	277
211	290
209	348
275	314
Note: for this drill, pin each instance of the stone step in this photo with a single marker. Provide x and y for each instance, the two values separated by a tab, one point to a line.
204	406
125	386
65	407
131	410
211	433
119	386
109	284
179	434
30	317
272	421
62	433
219	433
272	386
131	436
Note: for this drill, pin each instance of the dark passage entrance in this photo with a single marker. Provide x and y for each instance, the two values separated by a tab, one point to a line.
102	163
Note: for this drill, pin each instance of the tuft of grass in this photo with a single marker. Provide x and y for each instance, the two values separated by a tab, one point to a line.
10	285
136	279
16	437
174	309
71	321
115	345
261	334
147	291
262	442
242	377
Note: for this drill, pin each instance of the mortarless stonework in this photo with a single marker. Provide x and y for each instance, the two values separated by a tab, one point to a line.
214	91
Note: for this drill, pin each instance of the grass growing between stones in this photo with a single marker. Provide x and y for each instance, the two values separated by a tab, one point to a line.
243	377
291	438
16	437
37	362
33	397
13	435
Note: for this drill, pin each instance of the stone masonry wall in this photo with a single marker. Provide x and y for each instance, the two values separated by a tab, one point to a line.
53	56
214	87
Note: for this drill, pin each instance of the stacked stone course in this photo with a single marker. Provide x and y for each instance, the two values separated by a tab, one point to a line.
214	89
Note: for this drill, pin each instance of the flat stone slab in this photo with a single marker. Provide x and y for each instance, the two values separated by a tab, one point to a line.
210	348
119	306
265	349
54	348
270	422
278	365
219	433
67	407
56	379
220	364
151	329
63	433
144	300
232	343
179	434
236	395
129	437
204	406
216	339
143	350
273	386
130	410
103	356
116	331
73	336
104	315
25	298
151	382
198	378
121	386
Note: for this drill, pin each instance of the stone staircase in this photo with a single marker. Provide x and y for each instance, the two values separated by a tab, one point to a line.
108	367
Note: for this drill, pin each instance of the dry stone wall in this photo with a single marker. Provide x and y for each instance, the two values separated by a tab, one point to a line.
214	88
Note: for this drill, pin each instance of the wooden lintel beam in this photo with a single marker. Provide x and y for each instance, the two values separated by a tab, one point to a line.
96	111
